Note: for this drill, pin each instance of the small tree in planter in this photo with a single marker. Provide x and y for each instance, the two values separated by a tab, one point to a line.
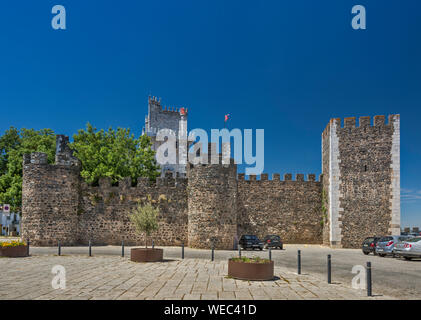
145	220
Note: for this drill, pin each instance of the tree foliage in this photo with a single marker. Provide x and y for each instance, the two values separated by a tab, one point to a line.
145	219
13	145
114	153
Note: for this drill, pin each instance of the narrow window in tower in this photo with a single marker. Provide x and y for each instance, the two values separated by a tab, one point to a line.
365	168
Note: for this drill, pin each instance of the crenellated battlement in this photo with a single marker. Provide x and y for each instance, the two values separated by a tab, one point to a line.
363	122
299	177
155	104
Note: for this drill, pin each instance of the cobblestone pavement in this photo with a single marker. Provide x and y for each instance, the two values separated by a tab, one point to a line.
114	277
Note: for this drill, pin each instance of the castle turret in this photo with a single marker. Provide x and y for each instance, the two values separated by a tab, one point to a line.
50	197
212	204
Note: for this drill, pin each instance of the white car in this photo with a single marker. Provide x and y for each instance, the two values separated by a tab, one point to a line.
408	249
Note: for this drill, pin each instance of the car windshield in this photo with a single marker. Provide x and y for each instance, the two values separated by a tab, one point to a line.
413	240
369	240
385	239
250	237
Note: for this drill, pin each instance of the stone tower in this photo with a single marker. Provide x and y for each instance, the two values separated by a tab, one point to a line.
361	179
212	203
50	196
174	119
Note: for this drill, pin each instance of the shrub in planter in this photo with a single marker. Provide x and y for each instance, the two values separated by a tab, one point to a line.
145	220
250	268
13	249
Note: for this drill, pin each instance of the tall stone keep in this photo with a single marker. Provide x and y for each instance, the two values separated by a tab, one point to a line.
50	196
361	179
212	203
170	121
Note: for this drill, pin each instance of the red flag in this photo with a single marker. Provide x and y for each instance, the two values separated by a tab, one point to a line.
182	111
227	116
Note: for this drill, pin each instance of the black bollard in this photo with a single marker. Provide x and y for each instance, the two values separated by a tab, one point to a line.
90	249
270	254
213	252
182	250
368	279
122	248
153	244
59	248
27	247
299	262
239	251
329	269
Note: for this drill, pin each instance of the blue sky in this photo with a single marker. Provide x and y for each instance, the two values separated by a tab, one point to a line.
284	66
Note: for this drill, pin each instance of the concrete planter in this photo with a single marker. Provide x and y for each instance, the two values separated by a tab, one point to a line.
14	252
250	271
146	255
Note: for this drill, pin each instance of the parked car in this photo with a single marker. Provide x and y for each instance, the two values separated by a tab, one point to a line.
250	241
409	249
386	244
369	245
273	241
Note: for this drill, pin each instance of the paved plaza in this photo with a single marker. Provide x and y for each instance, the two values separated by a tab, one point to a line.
116	277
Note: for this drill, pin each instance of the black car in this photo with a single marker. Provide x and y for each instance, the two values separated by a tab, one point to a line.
250	242
273	241
369	245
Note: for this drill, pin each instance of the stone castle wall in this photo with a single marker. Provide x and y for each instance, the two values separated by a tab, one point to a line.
359	189
104	211
291	209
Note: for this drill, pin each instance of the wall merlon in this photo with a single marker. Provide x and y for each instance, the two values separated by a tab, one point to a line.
379	120
39	158
287	177
252	177
240	176
349	122
392	117
276	177
264	177
26	158
311	177
364	121
299	177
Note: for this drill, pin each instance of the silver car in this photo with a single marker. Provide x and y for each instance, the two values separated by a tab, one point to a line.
386	244
409	249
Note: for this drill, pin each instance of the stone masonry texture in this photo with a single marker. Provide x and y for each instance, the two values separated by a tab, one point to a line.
356	196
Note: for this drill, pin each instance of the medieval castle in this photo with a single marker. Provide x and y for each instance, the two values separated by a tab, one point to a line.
357	195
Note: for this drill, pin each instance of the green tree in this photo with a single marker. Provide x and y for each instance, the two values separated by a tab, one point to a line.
145	219
13	145
115	154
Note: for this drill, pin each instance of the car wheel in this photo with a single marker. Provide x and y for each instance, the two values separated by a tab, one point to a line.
381	255
366	253
261	248
408	258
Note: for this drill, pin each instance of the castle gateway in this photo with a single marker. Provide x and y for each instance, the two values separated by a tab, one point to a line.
358	195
